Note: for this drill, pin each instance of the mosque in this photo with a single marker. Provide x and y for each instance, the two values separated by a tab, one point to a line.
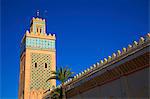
37	59
124	74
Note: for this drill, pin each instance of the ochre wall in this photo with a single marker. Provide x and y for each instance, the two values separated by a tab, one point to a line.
29	93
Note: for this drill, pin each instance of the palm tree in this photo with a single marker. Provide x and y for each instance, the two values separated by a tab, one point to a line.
55	94
62	75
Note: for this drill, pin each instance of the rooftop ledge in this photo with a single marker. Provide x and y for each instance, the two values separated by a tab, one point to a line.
143	41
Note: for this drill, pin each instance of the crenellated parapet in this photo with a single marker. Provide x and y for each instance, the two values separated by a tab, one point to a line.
42	36
37	19
136	46
37	38
131	48
38	41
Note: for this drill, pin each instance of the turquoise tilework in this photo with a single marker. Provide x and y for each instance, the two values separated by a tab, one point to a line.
38	43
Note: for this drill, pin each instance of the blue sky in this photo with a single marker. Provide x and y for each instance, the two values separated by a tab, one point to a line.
86	30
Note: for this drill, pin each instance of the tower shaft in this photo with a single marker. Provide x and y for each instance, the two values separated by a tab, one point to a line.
37	60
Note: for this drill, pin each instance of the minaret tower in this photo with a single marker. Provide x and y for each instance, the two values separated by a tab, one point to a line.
37	60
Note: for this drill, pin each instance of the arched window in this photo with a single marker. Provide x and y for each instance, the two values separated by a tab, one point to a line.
37	30
35	65
40	30
45	65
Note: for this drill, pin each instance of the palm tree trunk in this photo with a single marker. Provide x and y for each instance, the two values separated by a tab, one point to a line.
63	92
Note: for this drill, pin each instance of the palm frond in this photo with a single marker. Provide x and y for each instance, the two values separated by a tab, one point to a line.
62	74
52	77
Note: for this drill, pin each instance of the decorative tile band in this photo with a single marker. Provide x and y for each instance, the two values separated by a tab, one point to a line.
40	43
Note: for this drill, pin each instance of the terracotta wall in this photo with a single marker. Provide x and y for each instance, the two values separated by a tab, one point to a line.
135	85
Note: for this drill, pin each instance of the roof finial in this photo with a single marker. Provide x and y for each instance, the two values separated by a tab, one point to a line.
45	13
38	13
